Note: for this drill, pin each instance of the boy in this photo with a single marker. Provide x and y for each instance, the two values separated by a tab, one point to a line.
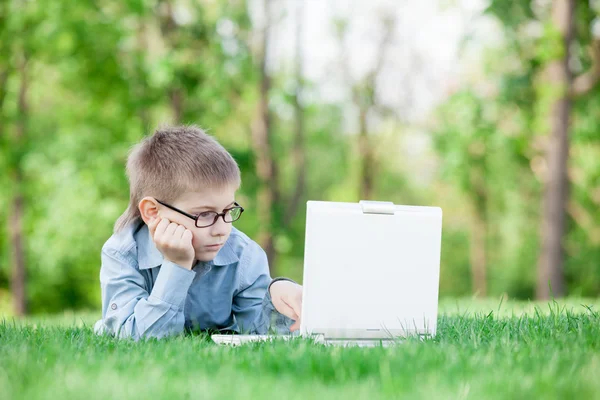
174	261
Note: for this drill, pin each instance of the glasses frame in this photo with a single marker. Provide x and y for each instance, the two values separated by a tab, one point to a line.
195	217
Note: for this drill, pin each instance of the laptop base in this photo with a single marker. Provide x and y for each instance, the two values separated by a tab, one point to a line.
237	340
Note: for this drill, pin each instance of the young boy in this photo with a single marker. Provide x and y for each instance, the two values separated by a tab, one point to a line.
174	261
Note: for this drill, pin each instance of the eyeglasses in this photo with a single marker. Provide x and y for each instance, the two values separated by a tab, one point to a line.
209	218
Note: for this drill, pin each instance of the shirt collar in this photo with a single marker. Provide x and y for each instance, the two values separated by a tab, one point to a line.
150	257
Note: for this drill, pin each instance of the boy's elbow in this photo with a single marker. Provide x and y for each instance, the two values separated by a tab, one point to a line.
125	330
113	324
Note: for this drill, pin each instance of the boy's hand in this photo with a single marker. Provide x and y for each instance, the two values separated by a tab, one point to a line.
174	241
287	299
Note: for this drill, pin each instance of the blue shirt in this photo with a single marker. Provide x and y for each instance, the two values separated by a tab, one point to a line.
144	295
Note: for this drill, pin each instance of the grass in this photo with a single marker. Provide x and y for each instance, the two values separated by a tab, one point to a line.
484	349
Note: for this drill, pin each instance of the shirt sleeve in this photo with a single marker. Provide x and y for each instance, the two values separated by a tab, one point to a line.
130	311
252	306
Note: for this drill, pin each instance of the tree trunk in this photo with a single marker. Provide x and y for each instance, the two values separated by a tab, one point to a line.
478	245
556	185
365	99
298	151
262	140
176	96
19	278
5	55
16	217
168	30
141	76
478	258
366	158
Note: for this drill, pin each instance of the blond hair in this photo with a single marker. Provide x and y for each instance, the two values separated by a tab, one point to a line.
172	161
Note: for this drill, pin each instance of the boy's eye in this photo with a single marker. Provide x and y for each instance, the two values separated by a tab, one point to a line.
206	214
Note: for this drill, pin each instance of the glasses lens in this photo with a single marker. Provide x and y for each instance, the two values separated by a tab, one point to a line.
233	214
206	218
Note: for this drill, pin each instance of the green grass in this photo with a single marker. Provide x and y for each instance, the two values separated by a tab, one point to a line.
484	349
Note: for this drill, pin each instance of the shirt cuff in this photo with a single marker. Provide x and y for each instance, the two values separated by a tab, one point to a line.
278	279
268	303
273	321
173	283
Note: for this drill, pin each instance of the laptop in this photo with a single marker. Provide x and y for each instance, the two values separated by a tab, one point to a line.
371	274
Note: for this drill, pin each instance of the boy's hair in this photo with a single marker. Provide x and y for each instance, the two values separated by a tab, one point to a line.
172	161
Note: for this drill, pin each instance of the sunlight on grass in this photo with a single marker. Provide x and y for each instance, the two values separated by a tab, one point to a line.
550	352
447	306
507	308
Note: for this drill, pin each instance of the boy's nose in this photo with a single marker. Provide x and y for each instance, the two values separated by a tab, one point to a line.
220	227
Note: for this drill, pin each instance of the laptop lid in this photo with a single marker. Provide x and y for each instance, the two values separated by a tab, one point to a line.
371	270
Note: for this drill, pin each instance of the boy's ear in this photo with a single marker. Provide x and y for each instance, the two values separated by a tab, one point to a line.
148	209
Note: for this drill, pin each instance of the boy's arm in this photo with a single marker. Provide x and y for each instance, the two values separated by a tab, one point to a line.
252	306
129	310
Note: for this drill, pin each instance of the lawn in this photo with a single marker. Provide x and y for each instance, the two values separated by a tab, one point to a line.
484	349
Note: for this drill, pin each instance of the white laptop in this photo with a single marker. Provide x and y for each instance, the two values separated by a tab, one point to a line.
371	273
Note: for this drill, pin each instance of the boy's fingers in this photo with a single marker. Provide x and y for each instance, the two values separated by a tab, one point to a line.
160	228
293	298
286	310
179	232
294	306
297	305
152	225
170	229
187	236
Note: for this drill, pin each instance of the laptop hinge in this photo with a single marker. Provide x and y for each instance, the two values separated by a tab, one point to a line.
377	207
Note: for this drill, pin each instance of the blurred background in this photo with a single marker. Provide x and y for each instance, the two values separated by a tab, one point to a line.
487	109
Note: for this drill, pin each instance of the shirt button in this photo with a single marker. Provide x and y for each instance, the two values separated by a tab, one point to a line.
113	306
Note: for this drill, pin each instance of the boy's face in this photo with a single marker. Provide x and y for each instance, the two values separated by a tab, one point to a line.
206	241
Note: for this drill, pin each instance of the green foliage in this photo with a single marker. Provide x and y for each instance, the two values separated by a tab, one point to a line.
511	13
101	75
505	115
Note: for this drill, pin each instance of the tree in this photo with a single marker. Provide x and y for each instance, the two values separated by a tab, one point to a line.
18	54
463	139
299	147
364	95
556	197
548	67
263	142
556	193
